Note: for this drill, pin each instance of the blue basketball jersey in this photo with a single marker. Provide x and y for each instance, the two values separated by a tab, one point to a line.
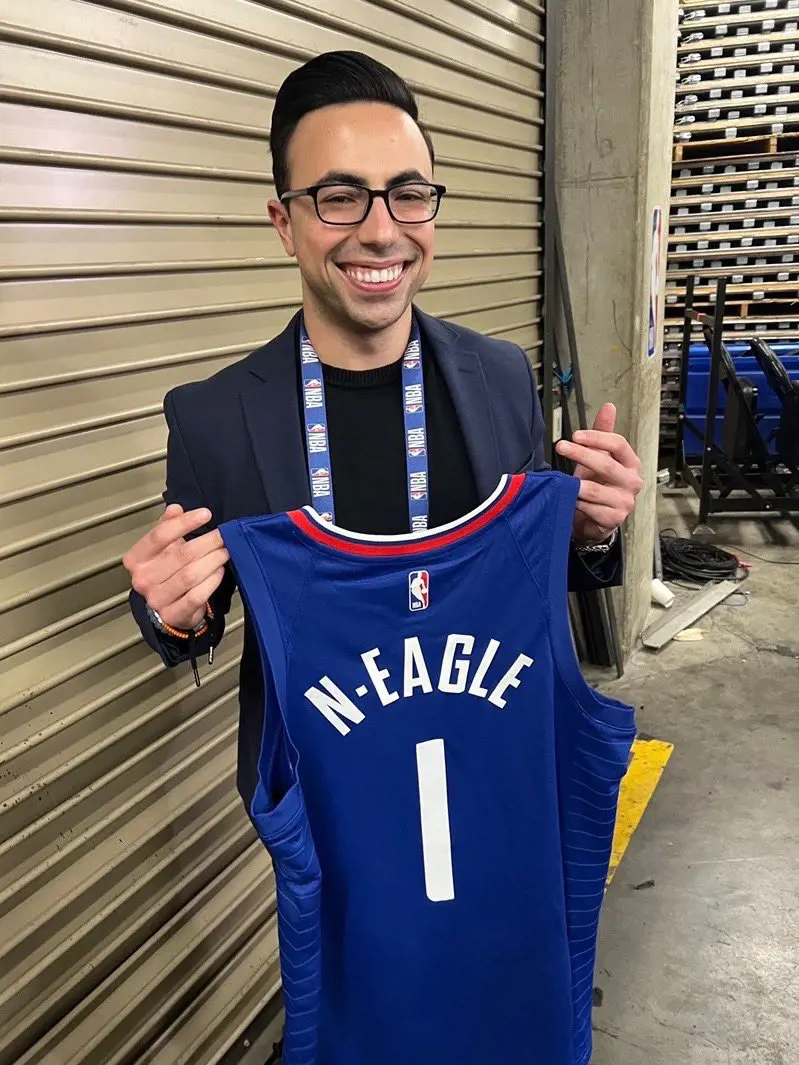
437	783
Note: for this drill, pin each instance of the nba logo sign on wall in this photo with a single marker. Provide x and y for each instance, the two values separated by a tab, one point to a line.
419	589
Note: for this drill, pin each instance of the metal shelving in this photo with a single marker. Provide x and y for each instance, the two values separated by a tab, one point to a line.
735	186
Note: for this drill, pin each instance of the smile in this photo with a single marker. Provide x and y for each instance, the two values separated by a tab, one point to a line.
373	279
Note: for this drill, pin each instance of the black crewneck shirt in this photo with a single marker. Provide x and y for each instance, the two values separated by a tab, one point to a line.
366	432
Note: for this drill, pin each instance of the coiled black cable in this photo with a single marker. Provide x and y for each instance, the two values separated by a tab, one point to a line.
689	560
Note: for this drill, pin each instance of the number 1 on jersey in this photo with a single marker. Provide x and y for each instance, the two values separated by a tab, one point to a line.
436	842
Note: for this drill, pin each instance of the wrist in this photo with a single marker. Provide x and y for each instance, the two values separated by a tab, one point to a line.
599	546
178	632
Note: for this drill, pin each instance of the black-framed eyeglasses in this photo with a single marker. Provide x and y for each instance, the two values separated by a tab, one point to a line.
410	203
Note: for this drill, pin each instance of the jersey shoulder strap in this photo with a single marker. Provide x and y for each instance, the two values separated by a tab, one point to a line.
541	519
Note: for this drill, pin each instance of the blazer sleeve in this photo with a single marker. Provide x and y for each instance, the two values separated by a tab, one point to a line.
182	486
588	571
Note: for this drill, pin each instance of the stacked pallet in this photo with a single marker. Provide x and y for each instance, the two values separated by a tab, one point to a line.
735	187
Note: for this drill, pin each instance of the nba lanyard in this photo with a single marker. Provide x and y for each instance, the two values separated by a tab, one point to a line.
319	466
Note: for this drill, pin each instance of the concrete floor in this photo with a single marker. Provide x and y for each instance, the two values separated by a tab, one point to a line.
703	967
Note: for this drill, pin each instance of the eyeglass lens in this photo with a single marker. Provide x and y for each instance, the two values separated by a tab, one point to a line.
348	203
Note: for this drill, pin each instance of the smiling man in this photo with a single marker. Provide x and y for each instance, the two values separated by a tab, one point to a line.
383	417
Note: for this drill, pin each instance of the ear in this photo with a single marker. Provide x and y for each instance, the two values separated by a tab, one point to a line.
281	220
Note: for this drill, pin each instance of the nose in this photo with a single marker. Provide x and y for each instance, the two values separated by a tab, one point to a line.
378	228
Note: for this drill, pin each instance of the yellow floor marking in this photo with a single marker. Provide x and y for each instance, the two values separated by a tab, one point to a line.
643	775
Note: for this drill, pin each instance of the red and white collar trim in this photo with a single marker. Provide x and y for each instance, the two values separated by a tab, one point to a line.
309	522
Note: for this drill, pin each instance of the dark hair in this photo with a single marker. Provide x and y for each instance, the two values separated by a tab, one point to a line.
334	78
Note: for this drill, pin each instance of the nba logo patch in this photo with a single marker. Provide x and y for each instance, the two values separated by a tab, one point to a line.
419	589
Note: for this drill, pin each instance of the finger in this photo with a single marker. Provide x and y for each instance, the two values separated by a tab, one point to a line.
189	609
173	510
613	443
606	495
608	518
605	421
185	580
150	577
596	464
170	531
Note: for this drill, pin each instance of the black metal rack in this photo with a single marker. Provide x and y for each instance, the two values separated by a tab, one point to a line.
767	484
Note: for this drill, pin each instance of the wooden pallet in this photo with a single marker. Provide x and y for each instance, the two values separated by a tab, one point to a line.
770	144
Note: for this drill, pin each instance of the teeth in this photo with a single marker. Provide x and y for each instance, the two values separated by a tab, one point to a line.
375	277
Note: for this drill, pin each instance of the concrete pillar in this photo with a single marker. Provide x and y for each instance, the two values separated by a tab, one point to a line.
616	68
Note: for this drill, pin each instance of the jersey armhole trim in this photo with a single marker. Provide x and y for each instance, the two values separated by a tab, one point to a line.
564	652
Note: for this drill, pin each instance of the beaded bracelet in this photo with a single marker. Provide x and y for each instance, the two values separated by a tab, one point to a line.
188	634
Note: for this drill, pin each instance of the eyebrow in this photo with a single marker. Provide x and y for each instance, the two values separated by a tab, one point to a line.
343	177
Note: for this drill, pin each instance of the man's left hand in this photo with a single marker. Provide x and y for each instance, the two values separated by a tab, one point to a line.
610	475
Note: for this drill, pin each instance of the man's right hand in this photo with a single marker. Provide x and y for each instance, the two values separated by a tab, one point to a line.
177	576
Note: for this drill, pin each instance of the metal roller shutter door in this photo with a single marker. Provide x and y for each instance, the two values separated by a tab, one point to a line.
136	905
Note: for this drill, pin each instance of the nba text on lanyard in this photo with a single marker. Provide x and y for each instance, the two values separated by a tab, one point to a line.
319	468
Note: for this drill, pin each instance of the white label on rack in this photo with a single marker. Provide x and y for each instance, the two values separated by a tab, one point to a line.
724	227
782	90
725	244
704	227
781	110
766	68
773	205
753	184
682	248
703	245
731	133
737	279
720	72
760	109
789	47
771	242
708	186
733	115
771	186
715	94
789	68
716	52
741	260
768	24
783	275
793	238
706	207
749	223
714	114
746	242
777	127
750	205
794	220
764	46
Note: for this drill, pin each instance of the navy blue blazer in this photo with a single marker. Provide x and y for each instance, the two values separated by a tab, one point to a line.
236	447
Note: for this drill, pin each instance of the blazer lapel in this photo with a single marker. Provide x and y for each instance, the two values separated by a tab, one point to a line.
463	372
272	413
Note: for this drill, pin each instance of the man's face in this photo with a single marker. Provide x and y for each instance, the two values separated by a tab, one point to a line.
374	145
